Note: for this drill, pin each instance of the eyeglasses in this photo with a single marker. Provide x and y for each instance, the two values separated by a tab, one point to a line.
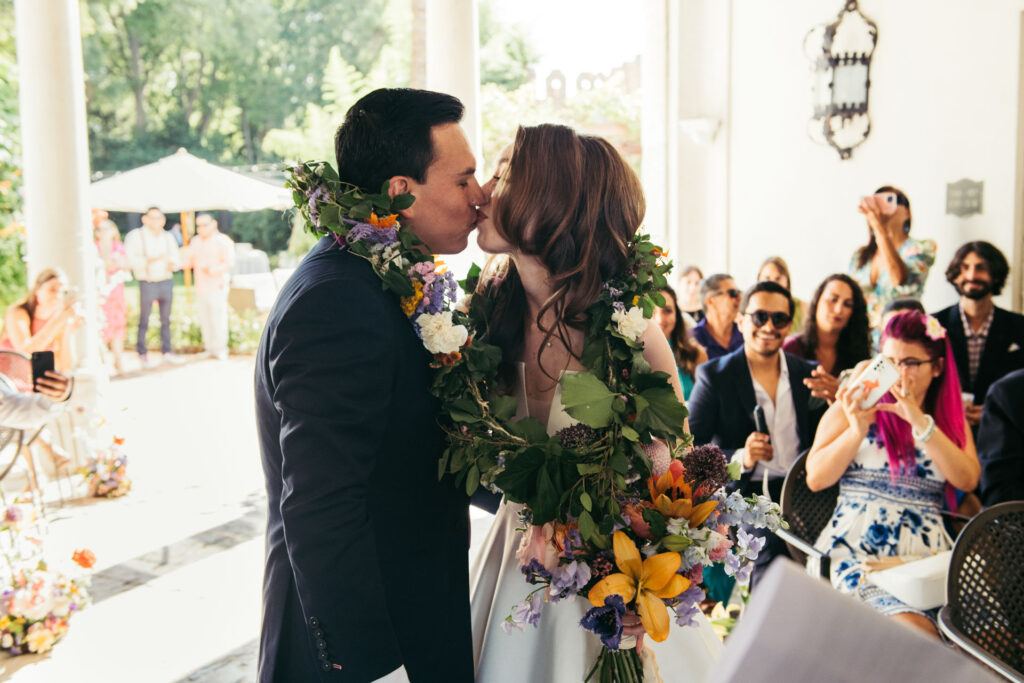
779	319
733	293
909	363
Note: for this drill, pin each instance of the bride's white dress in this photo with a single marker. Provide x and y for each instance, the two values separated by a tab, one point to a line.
558	650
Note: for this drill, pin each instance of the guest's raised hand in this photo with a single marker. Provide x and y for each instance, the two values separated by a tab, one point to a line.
822	385
870	212
906	407
54	385
849	397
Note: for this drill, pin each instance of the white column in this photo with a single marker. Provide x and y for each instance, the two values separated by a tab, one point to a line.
654	128
54	147
453	64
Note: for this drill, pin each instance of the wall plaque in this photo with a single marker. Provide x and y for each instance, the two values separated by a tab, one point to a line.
963	198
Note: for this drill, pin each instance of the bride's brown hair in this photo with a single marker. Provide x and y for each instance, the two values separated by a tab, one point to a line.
574	202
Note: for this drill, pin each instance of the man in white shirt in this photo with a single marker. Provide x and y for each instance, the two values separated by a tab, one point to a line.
759	374
211	254
153	257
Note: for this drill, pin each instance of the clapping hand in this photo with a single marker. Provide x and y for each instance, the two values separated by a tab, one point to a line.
822	385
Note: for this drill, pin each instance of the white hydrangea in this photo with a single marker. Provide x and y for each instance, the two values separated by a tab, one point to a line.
630	324
439	334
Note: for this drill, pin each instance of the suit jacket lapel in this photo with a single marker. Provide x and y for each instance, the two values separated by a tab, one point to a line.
957	339
744	385
992	354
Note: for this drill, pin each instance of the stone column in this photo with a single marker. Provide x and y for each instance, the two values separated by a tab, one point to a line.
55	161
453	64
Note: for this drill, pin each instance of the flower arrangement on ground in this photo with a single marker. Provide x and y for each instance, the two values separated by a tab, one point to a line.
620	509
106	474
36	605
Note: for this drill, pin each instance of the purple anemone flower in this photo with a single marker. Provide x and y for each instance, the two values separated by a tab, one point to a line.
606	621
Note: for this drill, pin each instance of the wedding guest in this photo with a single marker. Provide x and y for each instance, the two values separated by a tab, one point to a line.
689	291
153	256
44	320
757	374
211	254
775	269
689	354
1001	440
115	274
896	306
836	334
987	341
718	332
30	411
892	264
895	463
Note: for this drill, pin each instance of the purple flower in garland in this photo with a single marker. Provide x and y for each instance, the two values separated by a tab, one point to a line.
573	540
535	572
318	195
568	579
372	235
606	621
526	612
13	514
749	545
689	606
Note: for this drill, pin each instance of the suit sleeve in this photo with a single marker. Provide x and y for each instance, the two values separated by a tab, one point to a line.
1001	447
703	407
332	374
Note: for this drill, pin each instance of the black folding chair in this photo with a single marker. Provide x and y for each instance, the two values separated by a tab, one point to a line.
984	614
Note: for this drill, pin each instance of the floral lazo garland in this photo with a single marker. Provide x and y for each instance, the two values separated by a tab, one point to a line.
621	490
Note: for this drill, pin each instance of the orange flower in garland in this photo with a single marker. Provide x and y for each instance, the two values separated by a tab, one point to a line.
84	558
382	222
673	497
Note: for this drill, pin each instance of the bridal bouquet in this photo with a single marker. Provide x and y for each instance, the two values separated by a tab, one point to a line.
36	605
618	509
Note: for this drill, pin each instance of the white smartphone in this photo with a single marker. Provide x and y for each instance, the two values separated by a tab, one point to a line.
878	377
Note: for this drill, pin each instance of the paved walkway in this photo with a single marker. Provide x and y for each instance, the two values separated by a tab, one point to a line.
179	565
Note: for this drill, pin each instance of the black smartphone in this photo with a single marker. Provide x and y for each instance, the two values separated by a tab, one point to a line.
760	423
41	362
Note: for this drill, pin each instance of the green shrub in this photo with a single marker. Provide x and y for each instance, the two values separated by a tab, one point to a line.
244	329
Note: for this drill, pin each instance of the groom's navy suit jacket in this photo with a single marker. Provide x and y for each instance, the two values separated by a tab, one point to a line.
366	551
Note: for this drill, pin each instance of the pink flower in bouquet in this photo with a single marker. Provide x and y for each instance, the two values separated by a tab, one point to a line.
39	639
637	522
537	545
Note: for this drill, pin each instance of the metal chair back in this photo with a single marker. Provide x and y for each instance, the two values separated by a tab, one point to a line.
806	511
984	613
17	367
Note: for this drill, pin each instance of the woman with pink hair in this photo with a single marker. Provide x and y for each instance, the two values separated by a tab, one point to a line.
895	463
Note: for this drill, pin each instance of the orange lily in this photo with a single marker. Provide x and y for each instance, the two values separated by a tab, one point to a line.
673	497
382	221
647	581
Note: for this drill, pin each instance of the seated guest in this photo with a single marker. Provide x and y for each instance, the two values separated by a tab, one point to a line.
894	463
836	334
43	320
758	373
892	264
689	354
32	411
717	332
775	269
1001	441
689	291
904	303
987	341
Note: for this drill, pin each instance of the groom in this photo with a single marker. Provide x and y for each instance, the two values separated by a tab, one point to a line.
366	574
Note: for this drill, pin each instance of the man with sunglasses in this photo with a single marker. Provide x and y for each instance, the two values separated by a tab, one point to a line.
720	300
759	374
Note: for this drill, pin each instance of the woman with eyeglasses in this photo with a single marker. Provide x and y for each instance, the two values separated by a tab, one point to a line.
892	264
896	463
718	332
836	335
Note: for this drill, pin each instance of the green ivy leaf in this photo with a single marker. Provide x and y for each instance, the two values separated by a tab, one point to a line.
588	468
585	501
587	526
472	480
503	407
656	522
587	399
630	433
530	429
734	469
402	202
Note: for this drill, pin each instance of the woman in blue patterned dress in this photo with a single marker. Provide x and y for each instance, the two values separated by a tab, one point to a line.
894	463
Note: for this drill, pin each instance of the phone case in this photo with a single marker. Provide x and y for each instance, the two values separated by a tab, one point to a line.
878	378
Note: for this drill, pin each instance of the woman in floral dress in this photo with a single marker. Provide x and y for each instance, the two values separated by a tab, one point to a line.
895	463
892	264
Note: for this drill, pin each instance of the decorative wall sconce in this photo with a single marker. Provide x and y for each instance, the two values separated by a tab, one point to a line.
840	55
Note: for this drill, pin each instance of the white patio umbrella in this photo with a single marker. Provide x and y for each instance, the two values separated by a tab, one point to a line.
182	183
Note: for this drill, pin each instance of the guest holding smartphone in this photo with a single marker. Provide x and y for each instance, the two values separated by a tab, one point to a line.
892	264
836	334
44	320
895	462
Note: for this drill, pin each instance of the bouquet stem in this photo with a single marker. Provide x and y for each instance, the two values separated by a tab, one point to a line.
617	666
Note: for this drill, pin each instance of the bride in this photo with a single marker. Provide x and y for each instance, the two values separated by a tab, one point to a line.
563	210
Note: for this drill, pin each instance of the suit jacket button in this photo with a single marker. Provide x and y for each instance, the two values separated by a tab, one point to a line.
326	666
318	633
321	645
322	656
314	622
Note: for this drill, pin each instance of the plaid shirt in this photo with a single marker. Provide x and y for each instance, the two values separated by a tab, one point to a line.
975	340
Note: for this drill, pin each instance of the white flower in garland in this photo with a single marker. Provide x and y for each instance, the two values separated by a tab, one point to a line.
439	334
630	324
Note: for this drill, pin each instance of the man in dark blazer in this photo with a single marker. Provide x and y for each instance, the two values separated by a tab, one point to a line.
759	373
1001	441
978	272
366	575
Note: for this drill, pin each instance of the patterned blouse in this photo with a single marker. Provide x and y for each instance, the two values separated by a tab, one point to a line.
918	255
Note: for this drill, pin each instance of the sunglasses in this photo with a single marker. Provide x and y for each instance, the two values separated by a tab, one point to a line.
733	293
779	319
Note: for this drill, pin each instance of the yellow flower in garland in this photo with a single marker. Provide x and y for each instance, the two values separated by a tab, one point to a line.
409	303
4	623
673	497
648	581
382	222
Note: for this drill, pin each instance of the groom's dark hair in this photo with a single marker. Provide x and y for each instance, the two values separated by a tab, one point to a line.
387	133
